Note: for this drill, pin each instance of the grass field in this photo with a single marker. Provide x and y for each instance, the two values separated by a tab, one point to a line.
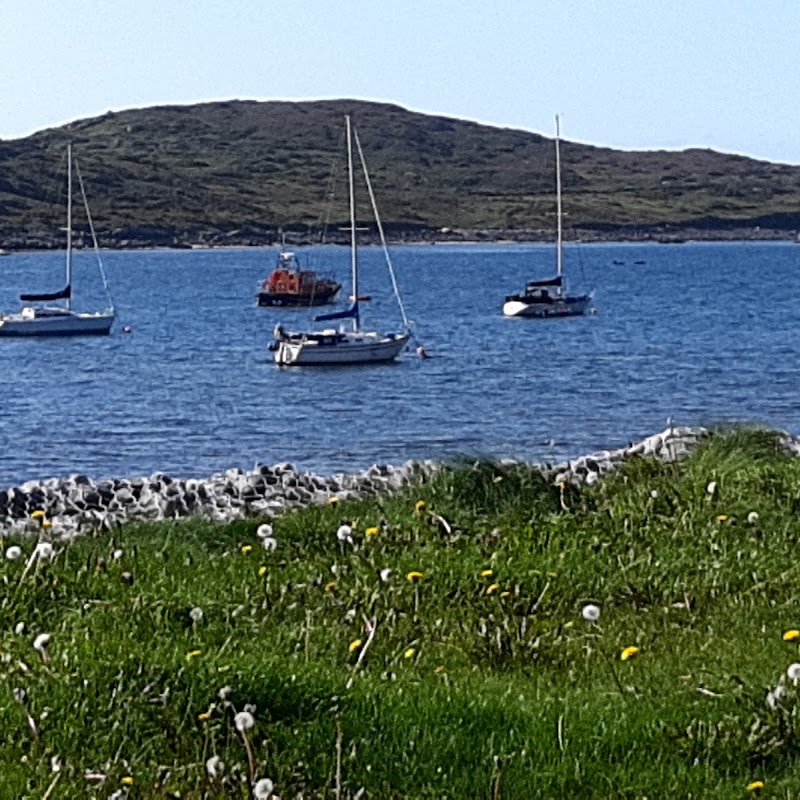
444	646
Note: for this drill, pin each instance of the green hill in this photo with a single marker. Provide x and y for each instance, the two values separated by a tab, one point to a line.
239	172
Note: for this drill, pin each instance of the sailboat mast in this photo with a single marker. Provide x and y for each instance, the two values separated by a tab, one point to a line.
353	245
559	254
69	223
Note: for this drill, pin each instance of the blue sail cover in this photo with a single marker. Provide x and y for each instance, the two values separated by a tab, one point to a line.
350	313
64	294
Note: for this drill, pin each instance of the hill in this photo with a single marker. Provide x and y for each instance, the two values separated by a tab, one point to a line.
242	172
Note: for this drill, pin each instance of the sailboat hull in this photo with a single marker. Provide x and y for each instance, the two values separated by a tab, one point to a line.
55	322
332	347
567	306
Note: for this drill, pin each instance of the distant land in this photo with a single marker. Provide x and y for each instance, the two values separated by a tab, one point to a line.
242	173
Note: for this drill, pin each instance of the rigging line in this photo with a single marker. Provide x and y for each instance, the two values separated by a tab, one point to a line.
92	230
330	194
380	231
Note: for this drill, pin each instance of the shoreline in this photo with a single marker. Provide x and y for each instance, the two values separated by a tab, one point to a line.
78	504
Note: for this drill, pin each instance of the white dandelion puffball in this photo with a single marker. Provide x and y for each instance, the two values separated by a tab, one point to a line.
224	693
264	531
345	534
41	641
19	628
44	550
591	612
263	789
269	543
196	614
385	574
13	552
117	554
752	517
793	673
654	493
243	721
712	487
775	696
214	766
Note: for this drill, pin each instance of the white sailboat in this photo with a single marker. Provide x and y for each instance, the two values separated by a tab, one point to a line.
61	320
547	297
355	346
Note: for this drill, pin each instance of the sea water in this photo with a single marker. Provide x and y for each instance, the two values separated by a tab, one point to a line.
697	333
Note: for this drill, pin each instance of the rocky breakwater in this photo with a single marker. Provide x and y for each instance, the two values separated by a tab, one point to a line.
75	504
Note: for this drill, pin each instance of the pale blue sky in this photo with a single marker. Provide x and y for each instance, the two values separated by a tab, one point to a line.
630	74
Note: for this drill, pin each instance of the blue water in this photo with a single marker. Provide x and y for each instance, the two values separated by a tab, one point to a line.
701	333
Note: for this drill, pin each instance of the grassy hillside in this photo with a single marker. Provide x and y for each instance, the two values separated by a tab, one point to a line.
636	638
238	171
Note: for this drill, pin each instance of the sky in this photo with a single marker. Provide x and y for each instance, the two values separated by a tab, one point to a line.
627	74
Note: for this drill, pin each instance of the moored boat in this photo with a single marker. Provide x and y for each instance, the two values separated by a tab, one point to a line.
548	297
290	285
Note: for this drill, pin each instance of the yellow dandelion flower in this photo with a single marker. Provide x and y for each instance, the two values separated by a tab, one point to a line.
755	786
46	523
246	548
354	645
493	588
570	624
332	501
628	653
330	586
497	479
204	717
127	781
505	594
38	514
791	635
420	506
409	653
486	573
262	570
722	517
371	531
415	576
193	654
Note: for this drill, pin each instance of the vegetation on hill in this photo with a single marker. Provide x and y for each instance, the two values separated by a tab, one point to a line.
243	172
485	635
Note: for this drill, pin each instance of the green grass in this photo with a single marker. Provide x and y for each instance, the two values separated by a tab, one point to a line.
459	683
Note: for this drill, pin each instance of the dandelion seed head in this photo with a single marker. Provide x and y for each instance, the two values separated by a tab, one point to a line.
41	642
264	531
244	721
345	534
19	628
196	614
269	543
43	550
591	612
775	696
263	789
13	552
214	766
793	673
224	693
654	493
752	517
711	488
117	554
385	574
